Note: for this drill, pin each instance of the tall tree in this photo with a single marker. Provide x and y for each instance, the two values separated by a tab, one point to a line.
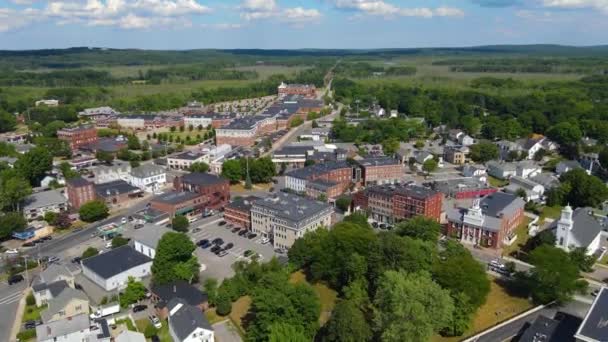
484	151
199	167
421	228
134	292
284	332
174	259
410	307
347	324
180	223
232	170
93	211
34	164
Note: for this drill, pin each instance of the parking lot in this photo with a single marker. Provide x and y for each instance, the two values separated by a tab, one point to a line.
221	267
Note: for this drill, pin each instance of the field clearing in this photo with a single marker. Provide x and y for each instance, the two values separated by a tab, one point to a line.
266	71
499	307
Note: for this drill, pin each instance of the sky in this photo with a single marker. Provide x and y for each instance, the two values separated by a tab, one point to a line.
293	24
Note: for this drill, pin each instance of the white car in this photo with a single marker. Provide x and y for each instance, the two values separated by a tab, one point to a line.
123	220
109	244
11	251
264	241
155	322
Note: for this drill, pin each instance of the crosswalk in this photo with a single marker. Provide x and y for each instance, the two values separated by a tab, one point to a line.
11	298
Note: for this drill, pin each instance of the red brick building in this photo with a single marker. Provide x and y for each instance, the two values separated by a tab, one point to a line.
77	137
335	177
308	90
179	203
489	222
320	187
238	212
381	170
216	190
394	203
79	191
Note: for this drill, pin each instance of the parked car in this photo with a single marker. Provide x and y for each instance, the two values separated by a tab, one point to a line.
155	322
46	238
264	241
76	230
155	338
14	279
109	244
228	246
375	224
280	250
222	253
202	242
29	244
215	249
138	226
37	241
251	235
76	260
11	251
196	230
218	241
221	223
248	252
139	308
235	230
30	324
242	232
53	259
123	220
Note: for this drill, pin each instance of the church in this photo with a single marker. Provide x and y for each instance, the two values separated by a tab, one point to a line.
579	228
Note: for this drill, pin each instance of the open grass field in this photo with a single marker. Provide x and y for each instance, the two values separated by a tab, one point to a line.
499	307
265	71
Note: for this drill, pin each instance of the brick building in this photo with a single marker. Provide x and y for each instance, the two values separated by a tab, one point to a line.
116	192
489	222
79	191
308	90
394	203
383	170
320	187
77	137
240	132
337	175
215	189
238	212
179	203
456	154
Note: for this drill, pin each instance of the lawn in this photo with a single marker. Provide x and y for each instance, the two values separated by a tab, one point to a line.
499	307
550	212
327	296
522	237
32	313
497	183
162	333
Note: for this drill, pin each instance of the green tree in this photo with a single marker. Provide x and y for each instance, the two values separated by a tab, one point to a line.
521	193
420	227
390	146
66	170
174	259
584	261
134	292
347	324
13	190
133	142
343	203
89	252
410	307
50	217
223	305
554	276
119	241
8	122
201	167
93	211
297	121
358	219
484	151
565	133
180	223
284	332
34	165
308	162
231	169
322	198
11	222
261	170
429	165
104	157
580	189
210	288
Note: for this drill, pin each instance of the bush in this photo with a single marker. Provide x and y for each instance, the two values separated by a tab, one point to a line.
224	305
90	252
180	223
30	300
150	331
25	335
93	211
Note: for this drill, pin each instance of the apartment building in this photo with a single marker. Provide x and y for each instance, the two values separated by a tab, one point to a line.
238	212
215	189
79	191
297	89
456	154
382	170
79	136
287	217
394	203
339	172
184	160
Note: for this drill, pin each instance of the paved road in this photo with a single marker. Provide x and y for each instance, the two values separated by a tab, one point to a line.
9	301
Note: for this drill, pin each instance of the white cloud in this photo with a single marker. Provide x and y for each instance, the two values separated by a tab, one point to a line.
382	8
222	26
22	2
577	4
263	9
12	19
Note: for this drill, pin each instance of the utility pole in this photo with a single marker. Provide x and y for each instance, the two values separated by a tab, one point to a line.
26	272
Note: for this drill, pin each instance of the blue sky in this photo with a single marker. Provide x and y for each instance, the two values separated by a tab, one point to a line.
289	24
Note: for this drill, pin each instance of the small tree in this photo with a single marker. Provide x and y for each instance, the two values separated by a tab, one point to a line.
93	211
30	300
210	288
223	305
343	203
134	292
89	252
199	167
429	166
180	223
322	198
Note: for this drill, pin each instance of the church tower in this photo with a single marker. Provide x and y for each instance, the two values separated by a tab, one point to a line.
564	228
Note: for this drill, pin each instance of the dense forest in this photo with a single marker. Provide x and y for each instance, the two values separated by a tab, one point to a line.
577	65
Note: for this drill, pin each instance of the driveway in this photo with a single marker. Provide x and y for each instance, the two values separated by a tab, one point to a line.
221	267
226	332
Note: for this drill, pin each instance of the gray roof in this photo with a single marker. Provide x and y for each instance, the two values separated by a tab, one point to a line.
55	288
200	178
517	182
147	170
184	318
410	190
548	180
572	164
500	203
383	161
318	169
320	184
542	326
130	336
243	123
452	186
43	199
243	203
586	226
189	155
62	327
113	188
594	326
59	302
292	208
502	166
149	234
181	290
54	272
115	261
175	197
78	182
293	151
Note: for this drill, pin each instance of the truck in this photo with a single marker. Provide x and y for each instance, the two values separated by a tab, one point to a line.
106	310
